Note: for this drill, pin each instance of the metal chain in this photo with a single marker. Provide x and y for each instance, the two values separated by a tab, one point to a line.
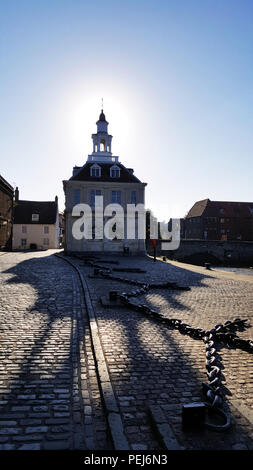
222	333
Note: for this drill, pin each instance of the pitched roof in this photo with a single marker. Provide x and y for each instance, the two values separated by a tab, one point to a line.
197	209
221	208
5	185
47	211
125	175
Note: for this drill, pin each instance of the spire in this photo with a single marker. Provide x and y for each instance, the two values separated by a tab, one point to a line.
102	142
102	116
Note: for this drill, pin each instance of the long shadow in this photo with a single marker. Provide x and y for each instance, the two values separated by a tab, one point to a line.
41	406
156	364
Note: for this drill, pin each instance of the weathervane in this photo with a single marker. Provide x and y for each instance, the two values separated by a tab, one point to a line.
102	103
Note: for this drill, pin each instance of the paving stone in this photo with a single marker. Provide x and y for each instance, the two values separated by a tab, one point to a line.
21	408
7	447
58	436
36	429
7	423
30	421
60	428
239	447
34	446
57	420
56	445
9	431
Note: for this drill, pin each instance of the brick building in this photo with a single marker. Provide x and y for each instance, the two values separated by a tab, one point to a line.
219	220
6	207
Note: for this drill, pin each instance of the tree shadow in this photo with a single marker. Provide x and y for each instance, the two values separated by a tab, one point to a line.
42	403
153	364
148	364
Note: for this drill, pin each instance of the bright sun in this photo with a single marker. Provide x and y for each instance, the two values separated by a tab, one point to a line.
85	107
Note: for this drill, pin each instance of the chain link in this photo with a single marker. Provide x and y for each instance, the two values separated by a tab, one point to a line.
222	333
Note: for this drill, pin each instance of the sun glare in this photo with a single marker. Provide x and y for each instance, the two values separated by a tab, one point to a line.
84	109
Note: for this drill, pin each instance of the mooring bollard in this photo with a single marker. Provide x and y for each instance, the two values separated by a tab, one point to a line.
193	415
113	295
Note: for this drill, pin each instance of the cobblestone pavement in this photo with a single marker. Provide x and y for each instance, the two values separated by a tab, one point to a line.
149	364
49	395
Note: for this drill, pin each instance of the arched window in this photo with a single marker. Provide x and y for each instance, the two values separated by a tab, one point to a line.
102	145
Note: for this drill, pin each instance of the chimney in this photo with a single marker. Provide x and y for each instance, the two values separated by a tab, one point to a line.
16	195
56	199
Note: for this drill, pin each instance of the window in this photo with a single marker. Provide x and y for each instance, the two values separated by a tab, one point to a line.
222	231
221	211
46	229
116	197
23	242
24	229
95	171
222	221
76	196
133	197
210	220
46	241
35	217
93	193
102	145
114	171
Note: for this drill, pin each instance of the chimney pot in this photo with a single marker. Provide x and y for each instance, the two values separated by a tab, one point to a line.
16	194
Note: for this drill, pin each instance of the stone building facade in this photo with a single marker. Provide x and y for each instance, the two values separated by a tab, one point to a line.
102	175
6	209
36	224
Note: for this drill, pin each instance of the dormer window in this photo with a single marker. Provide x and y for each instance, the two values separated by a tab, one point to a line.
35	217
115	171
95	171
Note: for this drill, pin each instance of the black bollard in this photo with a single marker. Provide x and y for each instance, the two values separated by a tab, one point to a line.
113	295
193	416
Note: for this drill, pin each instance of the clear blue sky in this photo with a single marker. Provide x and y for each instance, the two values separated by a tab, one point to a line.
177	81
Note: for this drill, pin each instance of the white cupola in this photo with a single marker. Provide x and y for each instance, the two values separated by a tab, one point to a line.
102	142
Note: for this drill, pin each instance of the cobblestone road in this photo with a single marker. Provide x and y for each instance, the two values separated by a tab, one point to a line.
49	395
150	364
50	398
